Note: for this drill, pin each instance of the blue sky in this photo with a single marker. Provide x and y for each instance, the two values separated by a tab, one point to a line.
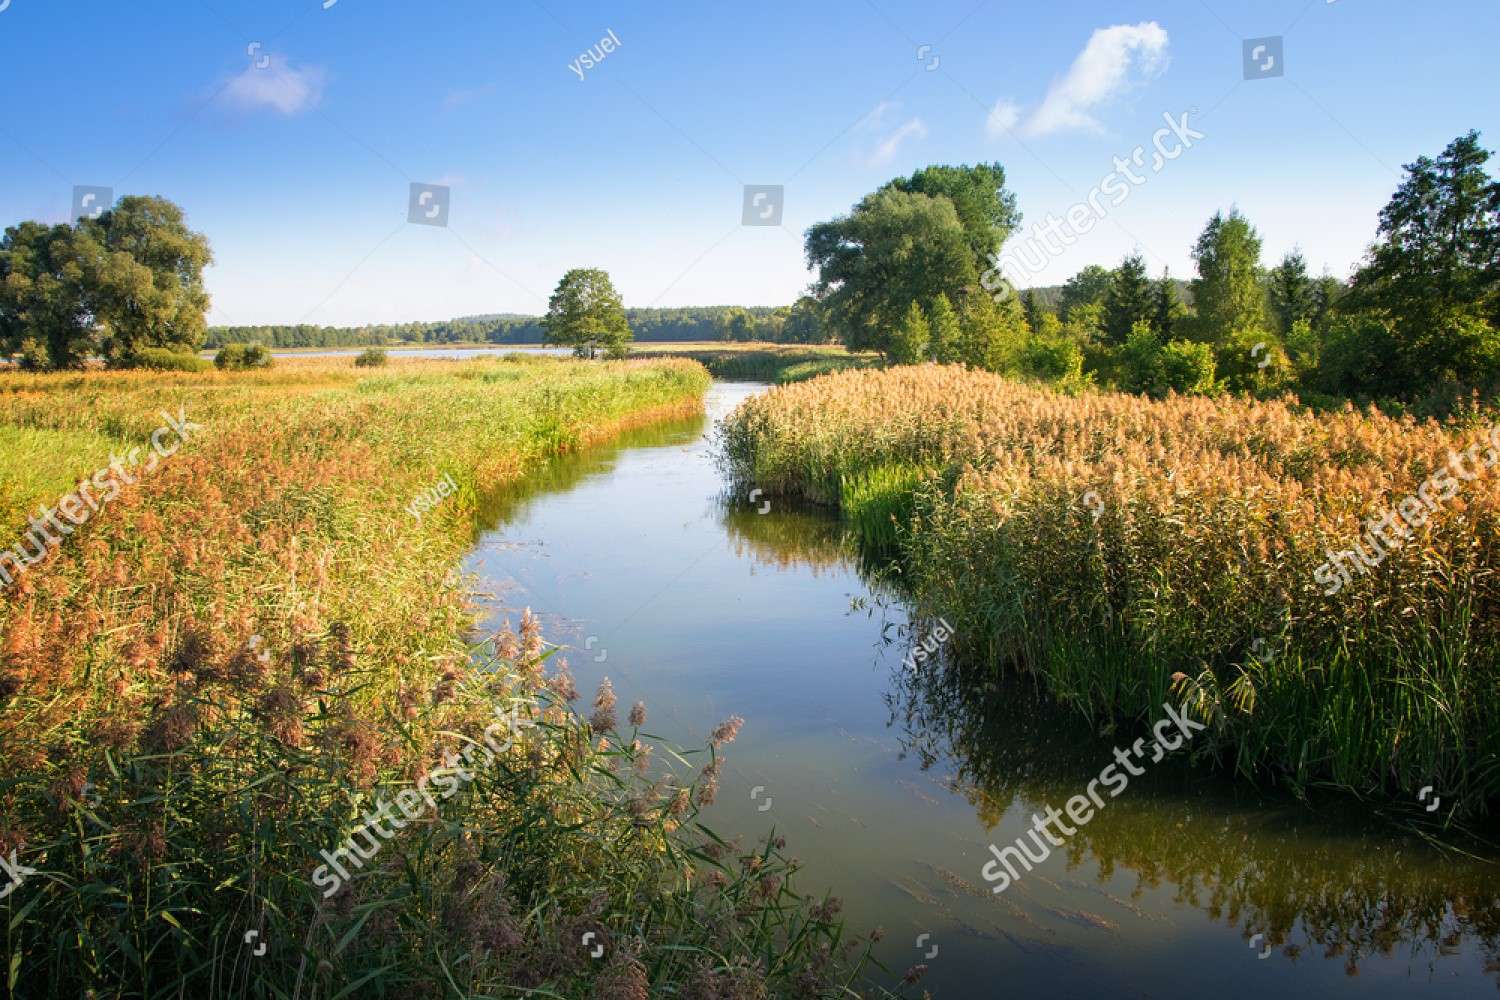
299	171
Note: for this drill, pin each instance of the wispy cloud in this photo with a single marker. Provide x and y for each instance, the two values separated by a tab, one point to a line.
1115	61
1004	117
887	150
878	115
465	95
278	86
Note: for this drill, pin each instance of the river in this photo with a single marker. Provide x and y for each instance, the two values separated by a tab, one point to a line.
890	784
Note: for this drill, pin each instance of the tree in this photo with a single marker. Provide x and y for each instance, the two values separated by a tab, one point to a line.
1167	311
894	249
43	316
1293	294
1434	271
736	325
805	324
1129	300
985	209
1031	308
585	313
909	341
1227	292
1327	291
1086	288
143	277
945	332
991	334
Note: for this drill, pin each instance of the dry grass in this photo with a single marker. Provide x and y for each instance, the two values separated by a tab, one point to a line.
173	777
1214	517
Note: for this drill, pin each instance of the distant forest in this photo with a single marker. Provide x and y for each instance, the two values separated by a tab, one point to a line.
648	325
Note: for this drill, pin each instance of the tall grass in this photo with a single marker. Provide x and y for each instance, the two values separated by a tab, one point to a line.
1196	578
213	680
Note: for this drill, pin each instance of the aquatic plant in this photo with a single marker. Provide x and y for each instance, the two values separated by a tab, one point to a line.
1123	550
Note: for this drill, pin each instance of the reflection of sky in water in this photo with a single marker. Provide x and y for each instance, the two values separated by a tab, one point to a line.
875	776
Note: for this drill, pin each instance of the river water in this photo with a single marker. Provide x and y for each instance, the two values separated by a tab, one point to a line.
890	784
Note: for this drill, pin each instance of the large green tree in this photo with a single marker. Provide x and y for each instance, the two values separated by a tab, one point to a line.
1292	291
586	314
805	323
895	248
128	280
43	315
985	209
1089	287
1433	273
1228	294
144	278
1129	300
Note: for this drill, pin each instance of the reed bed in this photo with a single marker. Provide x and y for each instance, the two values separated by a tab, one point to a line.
1125	551
233	663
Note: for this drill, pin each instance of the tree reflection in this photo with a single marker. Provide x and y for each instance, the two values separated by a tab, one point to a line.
1336	880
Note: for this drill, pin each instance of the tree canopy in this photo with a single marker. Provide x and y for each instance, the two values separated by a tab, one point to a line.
586	314
129	280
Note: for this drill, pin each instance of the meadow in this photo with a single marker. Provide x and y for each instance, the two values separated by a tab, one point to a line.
1123	551
245	657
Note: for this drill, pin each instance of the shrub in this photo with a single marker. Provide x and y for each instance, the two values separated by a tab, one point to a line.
237	357
33	356
162	359
371	357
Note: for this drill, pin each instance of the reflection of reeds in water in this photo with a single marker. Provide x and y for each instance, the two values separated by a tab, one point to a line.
1295	876
679	426
787	539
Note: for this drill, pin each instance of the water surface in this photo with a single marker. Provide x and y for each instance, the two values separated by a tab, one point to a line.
889	784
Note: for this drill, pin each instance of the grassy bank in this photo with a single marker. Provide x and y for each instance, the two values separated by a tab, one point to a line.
1126	551
255	655
779	363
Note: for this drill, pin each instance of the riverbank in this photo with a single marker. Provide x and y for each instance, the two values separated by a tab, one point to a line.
255	656
1125	551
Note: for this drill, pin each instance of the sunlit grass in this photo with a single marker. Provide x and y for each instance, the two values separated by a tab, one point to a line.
227	666
1196	578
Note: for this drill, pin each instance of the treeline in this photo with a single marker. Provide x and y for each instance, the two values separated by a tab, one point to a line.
909	272
693	323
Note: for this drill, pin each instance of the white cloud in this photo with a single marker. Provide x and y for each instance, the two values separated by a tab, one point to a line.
1004	117
279	86
887	150
458	98
1115	60
876	119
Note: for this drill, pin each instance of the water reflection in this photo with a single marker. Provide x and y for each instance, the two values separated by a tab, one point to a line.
1333	882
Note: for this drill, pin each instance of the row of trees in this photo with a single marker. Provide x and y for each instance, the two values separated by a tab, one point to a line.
908	273
792	324
128	282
